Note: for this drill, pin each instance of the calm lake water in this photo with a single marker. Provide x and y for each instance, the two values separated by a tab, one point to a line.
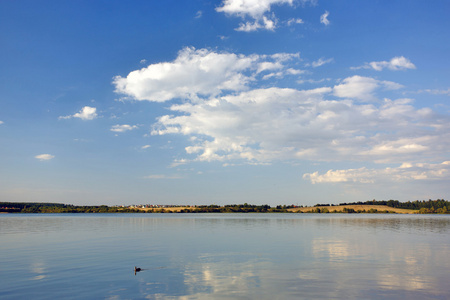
224	256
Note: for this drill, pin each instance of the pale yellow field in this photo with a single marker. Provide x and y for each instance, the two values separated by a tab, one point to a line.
172	209
356	208
339	208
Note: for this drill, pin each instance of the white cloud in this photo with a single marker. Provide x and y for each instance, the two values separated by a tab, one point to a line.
44	157
199	14
249	26
263	125
362	88
405	172
228	120
395	64
123	128
265	22
357	87
283	57
282	73
291	71
252	8
264	66
193	72
197	73
86	113
324	18
145	147
234	123
270	24
257	11
1	122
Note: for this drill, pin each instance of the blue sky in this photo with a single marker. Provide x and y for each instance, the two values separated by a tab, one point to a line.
201	102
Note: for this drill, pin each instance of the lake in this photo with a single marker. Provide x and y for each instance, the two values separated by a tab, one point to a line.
224	256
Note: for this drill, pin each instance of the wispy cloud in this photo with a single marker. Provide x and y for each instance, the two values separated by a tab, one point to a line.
294	21
178	162
123	128
436	91
321	61
324	18
265	22
44	157
301	81
160	176
395	64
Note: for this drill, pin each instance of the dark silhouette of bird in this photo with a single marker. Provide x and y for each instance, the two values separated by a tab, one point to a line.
136	269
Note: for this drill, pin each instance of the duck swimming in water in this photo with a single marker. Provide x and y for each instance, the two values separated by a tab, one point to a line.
136	269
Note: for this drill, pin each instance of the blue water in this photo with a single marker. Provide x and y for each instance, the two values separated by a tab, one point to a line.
224	256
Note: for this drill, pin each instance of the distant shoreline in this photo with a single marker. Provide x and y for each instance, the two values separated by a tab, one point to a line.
439	206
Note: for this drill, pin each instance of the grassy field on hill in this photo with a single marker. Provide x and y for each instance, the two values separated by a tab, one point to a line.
339	208
355	208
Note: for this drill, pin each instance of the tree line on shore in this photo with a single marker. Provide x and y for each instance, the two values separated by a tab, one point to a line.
12	207
439	206
32	207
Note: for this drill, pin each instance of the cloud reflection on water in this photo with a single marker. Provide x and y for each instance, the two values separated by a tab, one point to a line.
391	265
39	269
355	257
222	279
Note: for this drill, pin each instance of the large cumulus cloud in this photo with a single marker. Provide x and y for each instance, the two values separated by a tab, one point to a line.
197	72
229	115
